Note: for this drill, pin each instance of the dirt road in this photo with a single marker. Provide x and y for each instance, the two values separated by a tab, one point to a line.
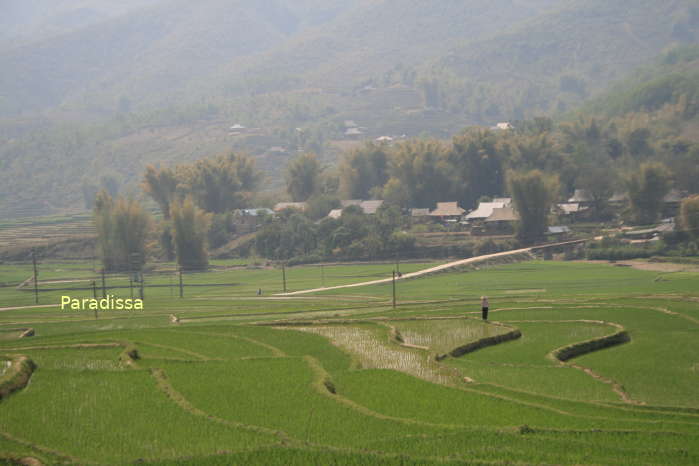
419	273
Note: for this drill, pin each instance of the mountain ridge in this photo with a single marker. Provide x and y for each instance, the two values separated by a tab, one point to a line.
122	94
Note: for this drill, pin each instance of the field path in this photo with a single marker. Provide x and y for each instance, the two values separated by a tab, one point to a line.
438	268
17	308
419	273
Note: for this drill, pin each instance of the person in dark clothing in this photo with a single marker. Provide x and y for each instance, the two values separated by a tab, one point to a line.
484	307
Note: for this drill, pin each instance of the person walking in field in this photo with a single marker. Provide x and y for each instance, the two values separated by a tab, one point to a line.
484	307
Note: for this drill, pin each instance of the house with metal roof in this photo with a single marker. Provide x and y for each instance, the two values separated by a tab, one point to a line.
581	196
484	210
558	230
335	213
370	207
256	212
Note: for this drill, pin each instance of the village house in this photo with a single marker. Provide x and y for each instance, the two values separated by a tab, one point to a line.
649	234
447	212
237	129
671	203
618	199
349	202
505	125
582	197
571	211
502	220
484	210
276	150
335	214
302	206
353	132
370	207
247	220
559	231
419	215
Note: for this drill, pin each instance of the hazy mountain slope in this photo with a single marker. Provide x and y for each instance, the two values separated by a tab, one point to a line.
370	40
665	93
164	82
567	55
32	20
146	54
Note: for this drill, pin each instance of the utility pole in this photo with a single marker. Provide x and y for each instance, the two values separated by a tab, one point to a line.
322	276
394	289
181	286
36	281
137	267
142	285
94	289
284	276
104	285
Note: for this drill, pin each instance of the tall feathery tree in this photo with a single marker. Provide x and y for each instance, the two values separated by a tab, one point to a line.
122	227
647	188
303	177
364	169
533	193
161	185
420	173
476	166
689	214
190	226
218	184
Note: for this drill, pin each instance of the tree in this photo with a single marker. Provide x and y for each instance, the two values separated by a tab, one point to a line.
421	168
161	185
387	219
110	183
363	169
167	242
476	167
689	214
122	227
638	142
89	190
320	205
647	188
190	226
214	185
598	182
245	170
533	193
217	185
303	177
396	193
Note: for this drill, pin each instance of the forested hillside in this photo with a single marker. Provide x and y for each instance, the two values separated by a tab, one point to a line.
163	81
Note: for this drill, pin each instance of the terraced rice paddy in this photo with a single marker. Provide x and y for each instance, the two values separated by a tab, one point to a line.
42	231
375	352
341	378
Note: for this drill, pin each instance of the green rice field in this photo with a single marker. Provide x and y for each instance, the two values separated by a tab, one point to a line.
226	376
